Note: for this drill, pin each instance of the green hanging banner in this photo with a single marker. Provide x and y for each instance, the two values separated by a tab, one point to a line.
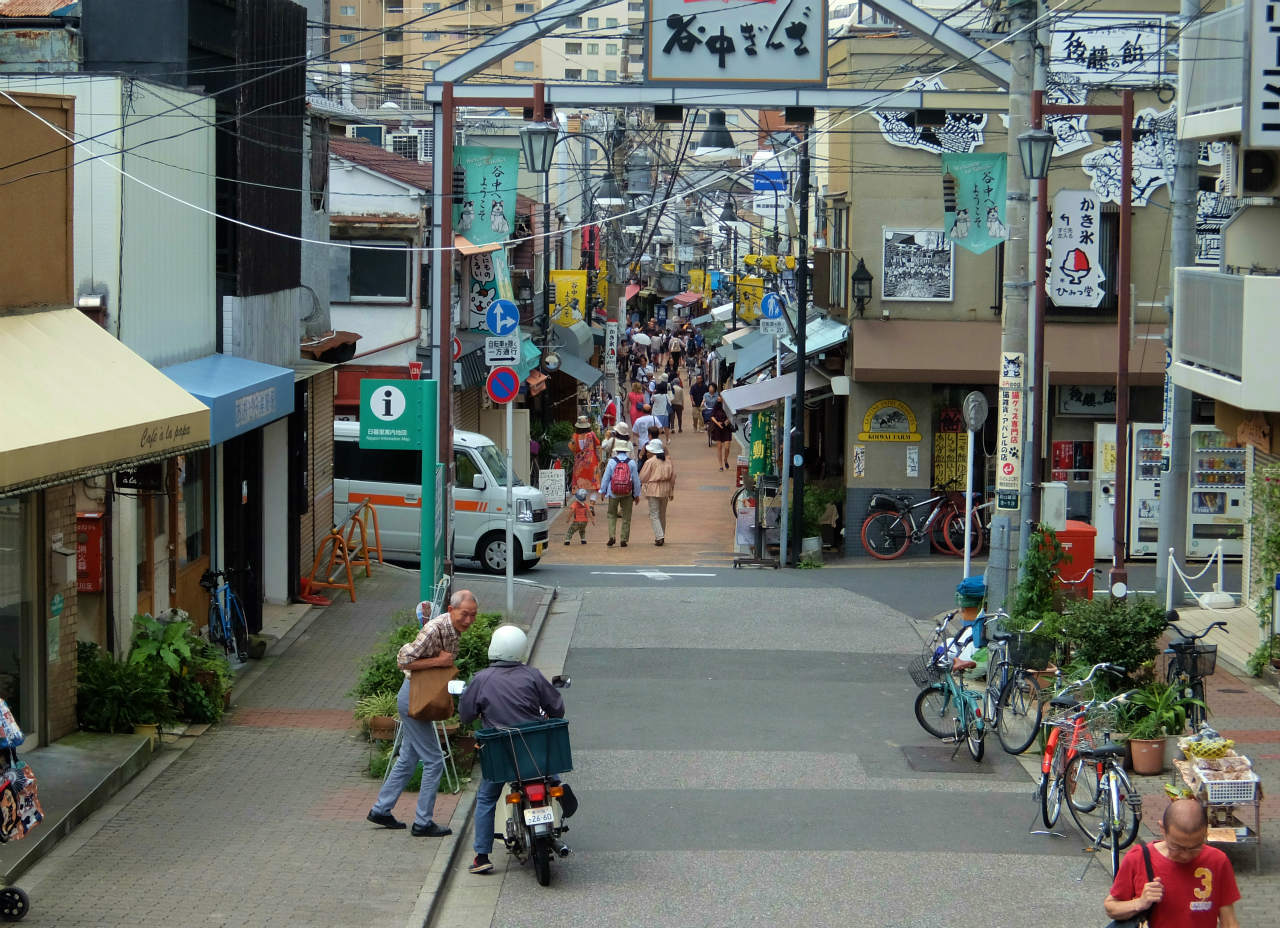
761	443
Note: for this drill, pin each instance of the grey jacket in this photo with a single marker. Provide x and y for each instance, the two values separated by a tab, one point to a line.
508	693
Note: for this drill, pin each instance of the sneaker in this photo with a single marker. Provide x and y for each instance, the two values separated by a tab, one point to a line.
610	543
566	541
430	830
624	544
385	819
481	864
583	541
659	542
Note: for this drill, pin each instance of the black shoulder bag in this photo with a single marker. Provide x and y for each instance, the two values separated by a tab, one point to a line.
1141	919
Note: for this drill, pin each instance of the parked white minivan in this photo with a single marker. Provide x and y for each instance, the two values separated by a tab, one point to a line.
392	480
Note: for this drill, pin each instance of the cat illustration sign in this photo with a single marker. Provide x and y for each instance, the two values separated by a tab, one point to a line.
503	384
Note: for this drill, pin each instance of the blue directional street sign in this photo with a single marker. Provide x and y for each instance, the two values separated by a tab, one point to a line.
502	317
771	306
769	180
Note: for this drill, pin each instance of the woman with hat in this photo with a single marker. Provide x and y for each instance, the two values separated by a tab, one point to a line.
658	486
586	454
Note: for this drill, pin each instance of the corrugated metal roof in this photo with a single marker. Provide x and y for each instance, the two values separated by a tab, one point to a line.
385	162
38	8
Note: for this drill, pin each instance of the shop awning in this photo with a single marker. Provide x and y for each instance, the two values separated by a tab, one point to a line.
242	395
753	356
579	369
77	402
687	298
530	357
819	335
722	313
745	332
466	247
632	290
754	396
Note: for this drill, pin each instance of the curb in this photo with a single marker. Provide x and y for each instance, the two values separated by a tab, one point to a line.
431	896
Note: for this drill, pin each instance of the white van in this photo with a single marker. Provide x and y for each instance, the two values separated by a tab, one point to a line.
392	480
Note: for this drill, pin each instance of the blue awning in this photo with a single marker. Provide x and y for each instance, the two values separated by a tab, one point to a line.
242	395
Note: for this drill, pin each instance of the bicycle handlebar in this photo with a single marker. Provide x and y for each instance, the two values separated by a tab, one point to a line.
1171	617
1104	666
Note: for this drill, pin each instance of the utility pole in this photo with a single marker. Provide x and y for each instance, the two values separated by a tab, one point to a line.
1006	528
1172	532
802	303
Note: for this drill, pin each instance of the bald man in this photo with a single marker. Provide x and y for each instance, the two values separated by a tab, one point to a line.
1194	885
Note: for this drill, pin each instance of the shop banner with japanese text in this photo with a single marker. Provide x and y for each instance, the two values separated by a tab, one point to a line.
1009	447
485	216
1076	277
750	294
973	200
761	443
571	296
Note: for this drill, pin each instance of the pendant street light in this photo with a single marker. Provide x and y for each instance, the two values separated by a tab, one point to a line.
608	193
862	281
729	220
537	142
716	143
1035	147
697	222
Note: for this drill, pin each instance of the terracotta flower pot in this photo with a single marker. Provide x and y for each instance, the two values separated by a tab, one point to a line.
382	728
1147	755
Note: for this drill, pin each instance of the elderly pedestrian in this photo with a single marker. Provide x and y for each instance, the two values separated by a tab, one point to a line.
721	432
621	486
435	646
585	446
658	487
618	439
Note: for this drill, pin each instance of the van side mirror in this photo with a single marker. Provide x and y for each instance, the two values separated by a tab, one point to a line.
477	482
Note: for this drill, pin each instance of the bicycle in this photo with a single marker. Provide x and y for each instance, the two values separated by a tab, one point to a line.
1190	664
980	518
892	524
1015	702
227	626
942	687
1096	781
1058	754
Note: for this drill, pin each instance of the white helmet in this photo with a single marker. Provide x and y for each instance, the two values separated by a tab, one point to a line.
507	644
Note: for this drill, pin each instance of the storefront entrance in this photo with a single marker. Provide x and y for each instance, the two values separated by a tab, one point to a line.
242	520
19	654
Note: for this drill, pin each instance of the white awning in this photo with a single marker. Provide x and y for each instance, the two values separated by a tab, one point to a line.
753	396
721	313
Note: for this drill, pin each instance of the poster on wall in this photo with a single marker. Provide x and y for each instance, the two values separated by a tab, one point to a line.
918	265
484	216
959	132
1212	212
1075	272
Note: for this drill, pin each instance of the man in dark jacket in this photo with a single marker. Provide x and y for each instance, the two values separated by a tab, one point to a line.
505	694
696	393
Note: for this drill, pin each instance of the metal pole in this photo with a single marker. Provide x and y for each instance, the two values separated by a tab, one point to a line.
1006	528
1118	573
546	284
968	506
784	523
1034	472
802	300
510	524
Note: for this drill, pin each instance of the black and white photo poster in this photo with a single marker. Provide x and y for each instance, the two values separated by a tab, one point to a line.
918	265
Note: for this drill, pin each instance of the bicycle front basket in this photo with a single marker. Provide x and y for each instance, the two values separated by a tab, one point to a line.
537	749
924	673
1032	651
1200	660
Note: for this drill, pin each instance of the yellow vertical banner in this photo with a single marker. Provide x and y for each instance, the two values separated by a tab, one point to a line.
697	280
750	293
571	296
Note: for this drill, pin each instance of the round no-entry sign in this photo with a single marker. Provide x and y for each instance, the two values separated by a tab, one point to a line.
503	384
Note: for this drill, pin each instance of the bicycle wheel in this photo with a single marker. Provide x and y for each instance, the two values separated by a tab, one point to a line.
1021	709
938	533
975	734
216	635
1051	789
738	502
953	531
885	535
1129	815
1197	714
933	706
239	630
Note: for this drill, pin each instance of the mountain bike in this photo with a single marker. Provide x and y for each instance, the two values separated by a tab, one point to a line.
945	707
227	626
1190	663
893	524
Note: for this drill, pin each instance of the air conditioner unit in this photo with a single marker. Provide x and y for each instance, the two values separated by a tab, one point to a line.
414	145
370	133
1249	172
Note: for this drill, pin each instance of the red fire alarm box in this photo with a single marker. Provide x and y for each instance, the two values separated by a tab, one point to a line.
89	552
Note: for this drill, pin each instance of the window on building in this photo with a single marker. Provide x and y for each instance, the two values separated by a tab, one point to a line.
394	35
635	6
730	119
593	75
611	48
192	507
378	274
431	37
395	6
593	48
573	74
430	7
523	67
575	23
524	7
593	22
393	62
431	64
346	38
346	11
611	76
611	22
573	48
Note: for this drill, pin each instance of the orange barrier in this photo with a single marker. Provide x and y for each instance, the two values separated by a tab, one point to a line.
337	552
359	554
341	549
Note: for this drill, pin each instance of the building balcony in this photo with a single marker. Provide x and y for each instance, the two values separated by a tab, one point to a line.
1226	327
1214	102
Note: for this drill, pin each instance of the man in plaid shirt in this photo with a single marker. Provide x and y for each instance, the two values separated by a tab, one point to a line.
435	646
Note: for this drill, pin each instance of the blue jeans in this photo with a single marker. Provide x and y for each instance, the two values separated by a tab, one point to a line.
486	805
418	742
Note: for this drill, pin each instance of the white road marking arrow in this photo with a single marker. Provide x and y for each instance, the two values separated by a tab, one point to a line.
647	574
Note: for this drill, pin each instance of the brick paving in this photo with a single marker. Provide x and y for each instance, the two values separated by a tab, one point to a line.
260	821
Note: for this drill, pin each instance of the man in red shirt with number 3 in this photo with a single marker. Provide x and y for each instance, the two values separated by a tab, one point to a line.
1194	885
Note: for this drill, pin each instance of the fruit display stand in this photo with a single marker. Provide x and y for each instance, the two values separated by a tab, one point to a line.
1227	802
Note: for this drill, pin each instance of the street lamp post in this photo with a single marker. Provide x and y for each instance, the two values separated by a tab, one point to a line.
729	219
538	142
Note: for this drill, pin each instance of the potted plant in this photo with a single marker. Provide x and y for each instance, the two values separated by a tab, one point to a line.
1151	715
379	712
1037	600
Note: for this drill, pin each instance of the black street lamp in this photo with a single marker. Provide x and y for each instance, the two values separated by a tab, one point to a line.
862	281
729	219
1035	148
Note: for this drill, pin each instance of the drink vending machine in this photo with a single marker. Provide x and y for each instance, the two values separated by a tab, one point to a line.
1215	494
1144	489
1104	488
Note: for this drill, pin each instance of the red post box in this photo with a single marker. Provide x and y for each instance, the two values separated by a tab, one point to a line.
1077	539
89	537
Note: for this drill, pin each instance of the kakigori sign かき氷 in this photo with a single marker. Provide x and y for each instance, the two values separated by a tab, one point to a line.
746	41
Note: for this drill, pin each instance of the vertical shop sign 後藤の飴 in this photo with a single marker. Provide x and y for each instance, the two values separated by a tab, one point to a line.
485	216
973	200
1075	271
752	42
1009	451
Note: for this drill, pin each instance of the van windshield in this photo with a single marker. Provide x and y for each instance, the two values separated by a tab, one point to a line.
496	462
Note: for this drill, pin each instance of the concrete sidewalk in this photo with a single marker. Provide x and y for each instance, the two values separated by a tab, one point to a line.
260	820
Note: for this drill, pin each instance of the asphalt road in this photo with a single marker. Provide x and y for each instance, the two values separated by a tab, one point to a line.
746	754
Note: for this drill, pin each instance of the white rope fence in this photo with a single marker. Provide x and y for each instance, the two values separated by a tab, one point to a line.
1218	599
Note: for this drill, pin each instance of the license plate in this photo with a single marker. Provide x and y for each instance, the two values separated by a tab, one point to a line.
543	816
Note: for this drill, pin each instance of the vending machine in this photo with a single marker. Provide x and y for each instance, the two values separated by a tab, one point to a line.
1104	488
1215	494
1144	489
